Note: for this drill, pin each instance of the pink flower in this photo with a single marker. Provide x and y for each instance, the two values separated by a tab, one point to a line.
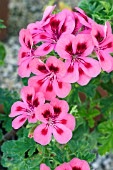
75	50
74	164
56	121
77	164
64	166
25	109
44	167
60	23
49	78
103	41
26	53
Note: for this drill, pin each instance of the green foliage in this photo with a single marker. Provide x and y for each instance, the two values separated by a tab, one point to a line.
106	139
2	53
100	11
1	24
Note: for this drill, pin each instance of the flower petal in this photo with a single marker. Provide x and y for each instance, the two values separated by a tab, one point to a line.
61	89
83	78
56	65
19	121
44	112
64	166
61	133
60	107
17	108
77	163
44	167
68	121
91	67
42	134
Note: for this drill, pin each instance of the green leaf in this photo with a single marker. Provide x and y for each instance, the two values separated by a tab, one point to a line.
106	138
2	53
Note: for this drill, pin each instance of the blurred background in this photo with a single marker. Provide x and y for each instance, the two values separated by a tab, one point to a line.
17	14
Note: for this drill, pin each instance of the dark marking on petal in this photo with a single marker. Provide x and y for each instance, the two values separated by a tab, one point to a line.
99	37
81	47
81	71
44	131
70	69
87	65
42	68
49	87
101	57
29	97
28	66
22	119
47	114
53	68
63	121
59	130
46	48
54	25
76	168
60	84
63	28
19	108
57	110
109	45
35	103
24	54
69	48
28	44
33	116
40	82
43	36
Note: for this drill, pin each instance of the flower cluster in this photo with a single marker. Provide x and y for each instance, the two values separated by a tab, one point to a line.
61	49
74	164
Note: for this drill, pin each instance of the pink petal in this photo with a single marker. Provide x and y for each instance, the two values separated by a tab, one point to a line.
72	73
24	69
91	67
64	166
23	55
56	65
32	118
77	163
25	39
105	60
61	89
48	90
19	121
17	108
36	82
83	78
83	44
44	112
38	67
108	29
44	167
60	107
39	99
47	12
61	133
68	121
44	49
27	94
65	46
42	134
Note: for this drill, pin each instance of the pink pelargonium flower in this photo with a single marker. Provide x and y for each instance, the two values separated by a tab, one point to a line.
26	109
103	41
55	120
27	53
74	164
60	23
64	166
49	78
77	164
75	50
44	167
